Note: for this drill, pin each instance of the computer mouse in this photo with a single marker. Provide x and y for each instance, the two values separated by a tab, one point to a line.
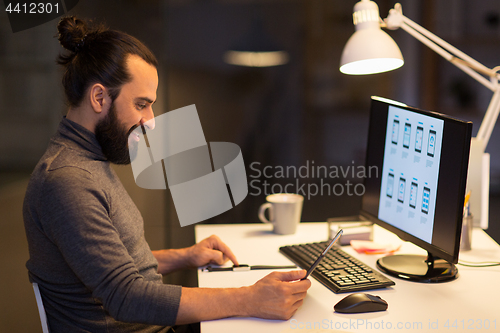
359	302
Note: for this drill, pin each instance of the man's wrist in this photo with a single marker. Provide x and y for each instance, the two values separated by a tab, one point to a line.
172	260
188	257
244	303
224	303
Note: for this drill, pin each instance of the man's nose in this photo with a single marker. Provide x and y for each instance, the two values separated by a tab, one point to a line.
149	122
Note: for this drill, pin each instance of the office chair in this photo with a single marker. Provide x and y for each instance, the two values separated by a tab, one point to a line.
41	309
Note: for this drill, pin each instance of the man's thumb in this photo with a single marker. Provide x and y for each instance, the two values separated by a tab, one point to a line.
292	275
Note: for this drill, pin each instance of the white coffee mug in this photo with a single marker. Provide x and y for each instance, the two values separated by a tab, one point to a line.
284	212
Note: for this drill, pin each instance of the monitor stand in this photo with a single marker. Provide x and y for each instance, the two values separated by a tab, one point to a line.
418	268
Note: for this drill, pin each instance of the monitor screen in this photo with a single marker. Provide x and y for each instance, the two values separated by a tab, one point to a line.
422	159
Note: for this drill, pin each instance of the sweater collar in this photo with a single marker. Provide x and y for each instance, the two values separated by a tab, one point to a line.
77	137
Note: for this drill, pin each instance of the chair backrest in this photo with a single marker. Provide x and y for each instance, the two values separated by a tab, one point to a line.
41	309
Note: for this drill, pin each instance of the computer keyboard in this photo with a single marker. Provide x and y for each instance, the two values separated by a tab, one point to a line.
338	271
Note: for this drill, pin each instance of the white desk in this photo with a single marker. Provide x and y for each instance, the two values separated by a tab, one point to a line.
469	303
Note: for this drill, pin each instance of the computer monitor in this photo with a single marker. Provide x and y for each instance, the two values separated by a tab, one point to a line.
422	159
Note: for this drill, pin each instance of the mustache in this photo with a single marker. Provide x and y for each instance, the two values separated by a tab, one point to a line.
133	128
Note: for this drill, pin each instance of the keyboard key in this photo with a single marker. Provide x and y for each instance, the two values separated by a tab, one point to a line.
345	283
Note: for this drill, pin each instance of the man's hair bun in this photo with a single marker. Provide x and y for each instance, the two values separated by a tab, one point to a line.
72	33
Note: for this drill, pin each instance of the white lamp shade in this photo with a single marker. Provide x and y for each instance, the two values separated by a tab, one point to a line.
370	51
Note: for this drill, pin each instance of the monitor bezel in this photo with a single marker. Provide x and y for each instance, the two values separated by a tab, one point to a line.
466	129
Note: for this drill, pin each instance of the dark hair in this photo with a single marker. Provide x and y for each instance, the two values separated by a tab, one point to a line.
97	55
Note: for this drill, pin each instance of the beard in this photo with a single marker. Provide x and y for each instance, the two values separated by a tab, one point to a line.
113	138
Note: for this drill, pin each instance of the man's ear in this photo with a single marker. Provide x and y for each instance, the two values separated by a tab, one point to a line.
99	98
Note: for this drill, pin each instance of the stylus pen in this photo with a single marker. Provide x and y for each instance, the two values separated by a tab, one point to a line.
243	267
323	254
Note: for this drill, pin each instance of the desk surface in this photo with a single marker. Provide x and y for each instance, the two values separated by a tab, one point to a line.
469	303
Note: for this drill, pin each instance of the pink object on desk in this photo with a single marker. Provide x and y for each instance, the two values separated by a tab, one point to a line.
370	247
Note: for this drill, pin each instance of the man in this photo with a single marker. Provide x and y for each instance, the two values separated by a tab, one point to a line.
88	254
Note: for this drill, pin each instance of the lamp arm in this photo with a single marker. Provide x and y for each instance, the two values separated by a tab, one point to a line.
396	20
460	63
490	118
493	110
471	62
473	68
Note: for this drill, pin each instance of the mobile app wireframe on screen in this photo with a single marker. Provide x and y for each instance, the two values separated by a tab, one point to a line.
411	160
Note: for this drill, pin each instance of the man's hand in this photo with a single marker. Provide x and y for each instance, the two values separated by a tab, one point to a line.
278	295
211	250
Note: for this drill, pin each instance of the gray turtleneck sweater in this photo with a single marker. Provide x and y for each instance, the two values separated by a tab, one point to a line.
87	249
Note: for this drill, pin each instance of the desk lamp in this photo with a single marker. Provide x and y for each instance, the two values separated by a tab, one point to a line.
371	50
